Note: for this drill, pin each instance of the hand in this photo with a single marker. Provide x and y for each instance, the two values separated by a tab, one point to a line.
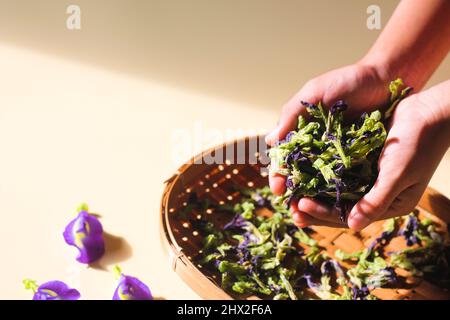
417	141
362	86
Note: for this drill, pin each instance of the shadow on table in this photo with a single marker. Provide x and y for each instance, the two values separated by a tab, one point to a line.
436	203
117	249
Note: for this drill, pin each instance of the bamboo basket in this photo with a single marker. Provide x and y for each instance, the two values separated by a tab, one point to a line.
217	182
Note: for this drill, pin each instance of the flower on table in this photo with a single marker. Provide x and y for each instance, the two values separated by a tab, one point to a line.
130	288
52	290
85	232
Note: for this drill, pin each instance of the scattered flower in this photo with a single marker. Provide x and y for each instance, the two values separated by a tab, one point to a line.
85	233
130	288
52	290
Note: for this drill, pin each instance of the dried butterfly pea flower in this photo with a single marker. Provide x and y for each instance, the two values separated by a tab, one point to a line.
85	232
330	160
52	290
271	257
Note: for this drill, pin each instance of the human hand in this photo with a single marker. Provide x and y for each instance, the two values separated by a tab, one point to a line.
362	86
418	138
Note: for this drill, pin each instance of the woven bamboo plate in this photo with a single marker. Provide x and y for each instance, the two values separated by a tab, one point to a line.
217	182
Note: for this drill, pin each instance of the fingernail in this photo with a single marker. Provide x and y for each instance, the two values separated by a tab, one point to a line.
358	221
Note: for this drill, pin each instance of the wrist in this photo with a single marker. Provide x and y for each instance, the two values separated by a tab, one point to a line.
436	102
390	67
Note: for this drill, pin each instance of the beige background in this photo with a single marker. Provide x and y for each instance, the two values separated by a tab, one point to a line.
90	115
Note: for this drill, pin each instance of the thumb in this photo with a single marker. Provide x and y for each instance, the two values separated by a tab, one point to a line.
374	204
290	112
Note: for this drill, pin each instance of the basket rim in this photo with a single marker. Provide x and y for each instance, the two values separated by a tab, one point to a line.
171	247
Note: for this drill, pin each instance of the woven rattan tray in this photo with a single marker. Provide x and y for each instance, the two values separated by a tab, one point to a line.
217	182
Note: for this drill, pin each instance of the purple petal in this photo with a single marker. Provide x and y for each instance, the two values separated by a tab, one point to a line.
382	240
339	106
289	183
236	222
85	233
131	288
56	290
360	293
408	232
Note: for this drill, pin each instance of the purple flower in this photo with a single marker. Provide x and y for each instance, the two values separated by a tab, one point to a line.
260	200
243	254
52	290
368	134
339	204
391	275
360	122
296	156
360	293
339	169
409	231
308	105
286	139
382	240
236	222
85	233
130	288
339	106
289	183
309	281
332	138
300	160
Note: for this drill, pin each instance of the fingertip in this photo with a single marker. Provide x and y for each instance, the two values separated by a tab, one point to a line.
315	208
306	204
300	219
273	137
277	184
358	221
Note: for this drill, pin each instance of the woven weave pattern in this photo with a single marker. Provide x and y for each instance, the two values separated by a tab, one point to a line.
219	183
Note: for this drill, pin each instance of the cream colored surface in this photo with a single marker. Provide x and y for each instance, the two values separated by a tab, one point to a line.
90	115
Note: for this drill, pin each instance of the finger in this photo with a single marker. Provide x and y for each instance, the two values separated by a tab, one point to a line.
319	210
277	184
294	213
405	202
302	219
375	203
290	112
